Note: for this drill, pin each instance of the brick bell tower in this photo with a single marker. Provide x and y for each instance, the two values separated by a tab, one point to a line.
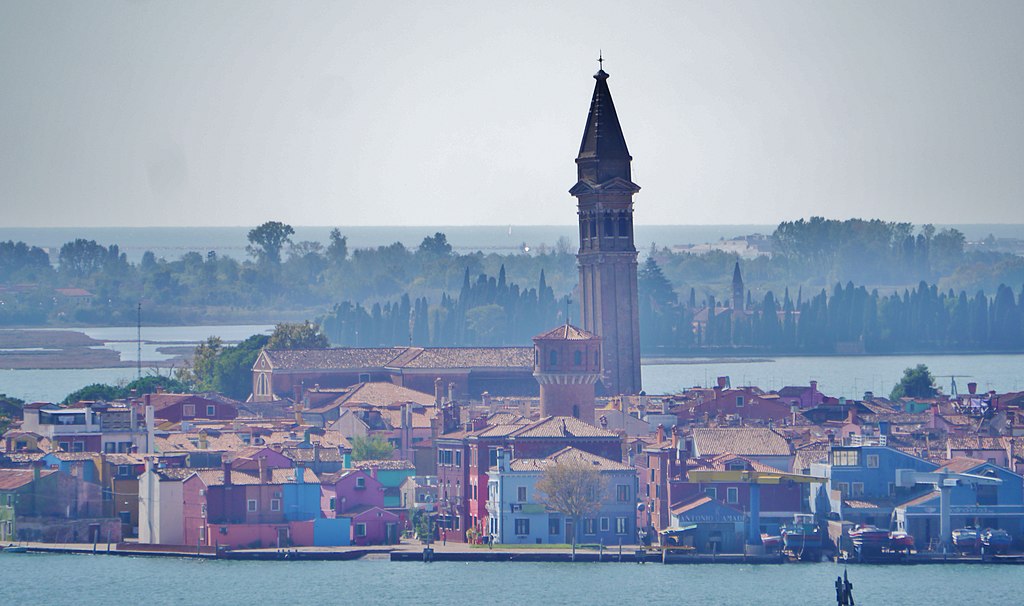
607	257
567	365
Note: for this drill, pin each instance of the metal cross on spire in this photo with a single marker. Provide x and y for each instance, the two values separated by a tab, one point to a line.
600	60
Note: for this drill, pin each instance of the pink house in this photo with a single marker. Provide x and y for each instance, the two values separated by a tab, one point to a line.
804	397
350	490
373	526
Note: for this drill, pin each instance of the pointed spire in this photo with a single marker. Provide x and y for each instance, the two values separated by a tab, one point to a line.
603	153
737	278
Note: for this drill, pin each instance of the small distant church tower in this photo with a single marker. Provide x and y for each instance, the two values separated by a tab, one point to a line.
567	365
607	257
738	302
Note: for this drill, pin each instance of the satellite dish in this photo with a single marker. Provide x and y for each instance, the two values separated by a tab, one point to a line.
641	507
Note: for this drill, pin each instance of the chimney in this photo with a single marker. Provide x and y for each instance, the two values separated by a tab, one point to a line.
227	473
150	428
37	469
814	388
451	392
831	438
485	400
438	391
300	473
265	472
869	396
297	393
972	388
722	382
660	433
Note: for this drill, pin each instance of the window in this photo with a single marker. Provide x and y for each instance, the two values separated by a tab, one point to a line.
188	410
553	358
621	526
360	483
492	457
10	500
360	529
521	494
857	489
845	458
605	524
522	526
622	493
333	504
732	495
78	447
872	461
737	465
597	359
739	401
211	410
711	492
124	471
554	526
473	489
589	526
275	504
892	489
458	458
577	358
252	505
843	488
64	446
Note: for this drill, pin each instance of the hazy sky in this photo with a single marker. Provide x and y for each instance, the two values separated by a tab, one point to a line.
434	113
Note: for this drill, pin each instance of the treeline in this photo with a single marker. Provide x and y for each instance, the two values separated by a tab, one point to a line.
849	320
488	311
281	279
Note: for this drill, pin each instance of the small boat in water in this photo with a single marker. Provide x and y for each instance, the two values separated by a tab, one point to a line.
15	549
771	542
996	540
967	540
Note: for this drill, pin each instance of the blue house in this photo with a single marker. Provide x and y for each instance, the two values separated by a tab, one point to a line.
982	506
301	499
77	464
862	483
517	514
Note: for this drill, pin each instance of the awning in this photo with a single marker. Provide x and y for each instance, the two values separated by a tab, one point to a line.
679	529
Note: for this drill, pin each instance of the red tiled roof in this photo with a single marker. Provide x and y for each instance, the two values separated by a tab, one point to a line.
962	464
566	332
560	427
330	359
12	479
740	441
690	505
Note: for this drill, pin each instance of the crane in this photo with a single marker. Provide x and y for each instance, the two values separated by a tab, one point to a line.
755	479
944	481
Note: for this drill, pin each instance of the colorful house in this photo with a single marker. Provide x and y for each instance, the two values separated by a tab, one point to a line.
517	513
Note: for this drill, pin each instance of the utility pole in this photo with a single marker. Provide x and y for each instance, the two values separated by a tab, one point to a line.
138	343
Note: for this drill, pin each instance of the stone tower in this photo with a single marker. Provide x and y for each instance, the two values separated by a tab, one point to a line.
567	365
738	302
607	257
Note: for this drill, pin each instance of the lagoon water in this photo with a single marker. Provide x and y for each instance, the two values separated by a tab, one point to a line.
847	376
83	579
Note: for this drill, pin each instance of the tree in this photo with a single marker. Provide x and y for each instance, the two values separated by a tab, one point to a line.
298	336
267	240
94	392
337	250
917	382
152	383
199	373
435	246
232	370
371	448
572	487
10	409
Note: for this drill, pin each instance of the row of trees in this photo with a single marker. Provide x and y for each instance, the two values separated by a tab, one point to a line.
850	319
487	311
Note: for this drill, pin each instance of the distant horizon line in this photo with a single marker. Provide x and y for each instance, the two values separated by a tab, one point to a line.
477	225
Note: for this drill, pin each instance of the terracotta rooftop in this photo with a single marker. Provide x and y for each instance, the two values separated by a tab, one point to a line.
400	357
215	477
740	441
961	464
12	479
566	332
561	427
382	464
572	456
690	505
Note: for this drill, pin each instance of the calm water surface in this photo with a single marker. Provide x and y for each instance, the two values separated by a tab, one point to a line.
61	579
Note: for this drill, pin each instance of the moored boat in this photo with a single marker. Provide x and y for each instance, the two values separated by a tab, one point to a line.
802	537
967	540
868	538
900	541
996	540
